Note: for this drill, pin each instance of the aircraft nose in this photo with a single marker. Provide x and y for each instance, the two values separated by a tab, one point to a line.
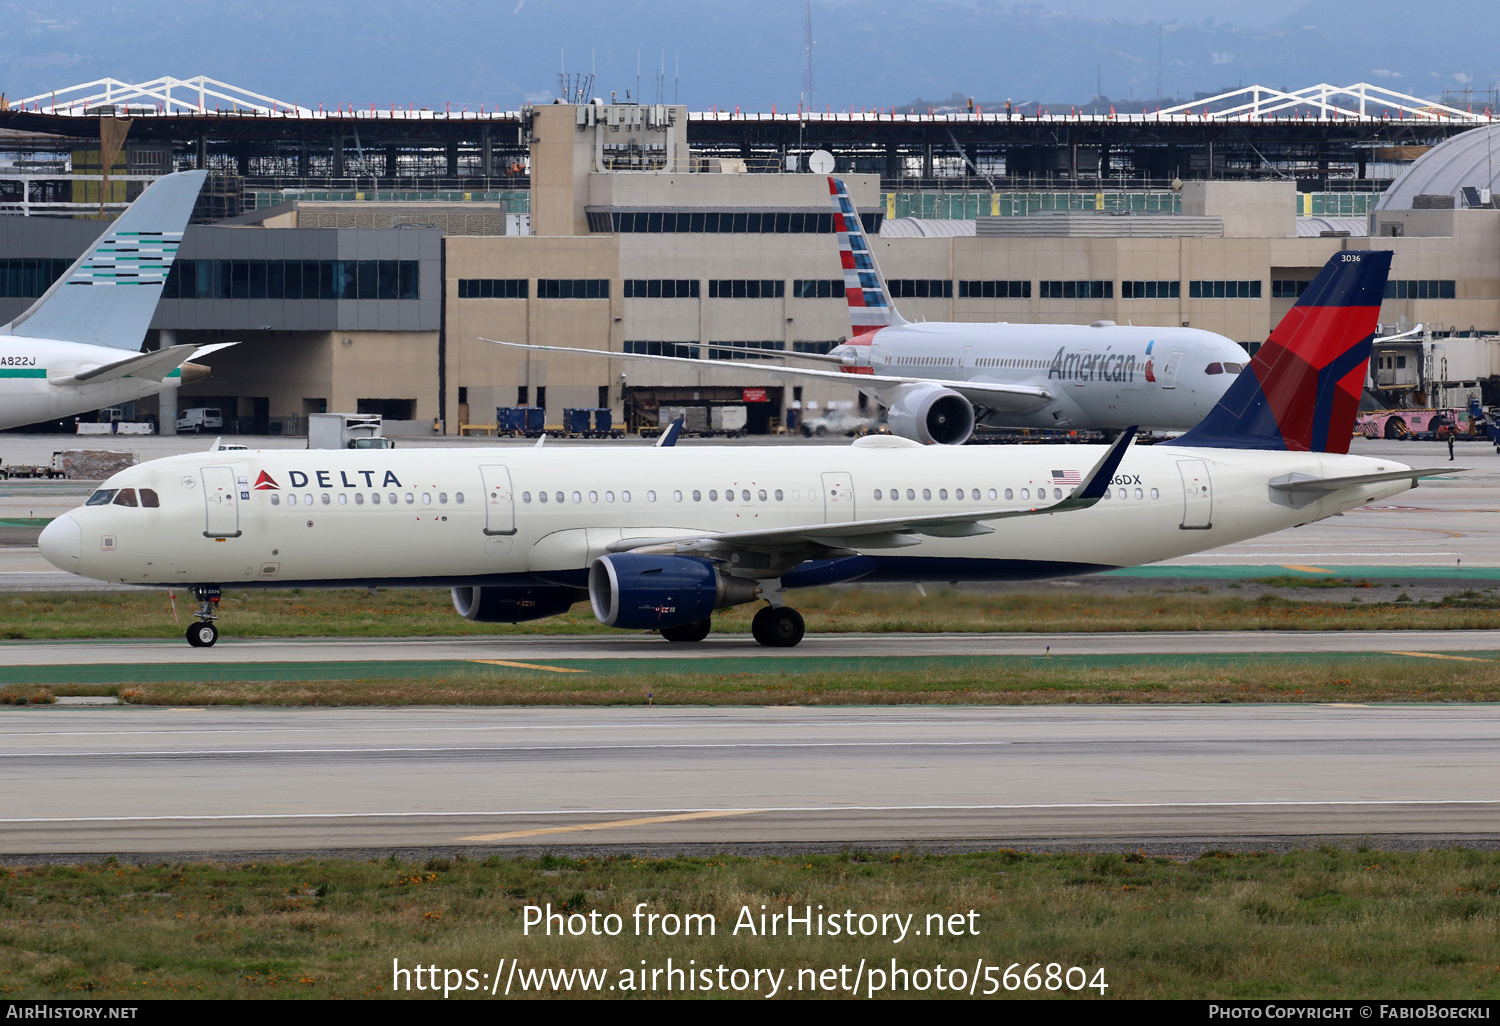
61	543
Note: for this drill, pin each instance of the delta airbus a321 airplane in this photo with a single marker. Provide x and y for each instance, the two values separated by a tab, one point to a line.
938	379
658	538
77	348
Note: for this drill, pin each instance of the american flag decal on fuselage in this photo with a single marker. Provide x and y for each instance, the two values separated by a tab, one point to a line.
870	306
1066	477
129	258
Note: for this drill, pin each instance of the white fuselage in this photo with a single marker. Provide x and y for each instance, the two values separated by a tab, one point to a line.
473	516
1102	378
30	366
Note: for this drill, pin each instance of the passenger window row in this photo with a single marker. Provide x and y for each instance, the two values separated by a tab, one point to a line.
975	495
390	498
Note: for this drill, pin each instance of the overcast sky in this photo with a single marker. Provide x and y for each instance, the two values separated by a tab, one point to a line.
868	53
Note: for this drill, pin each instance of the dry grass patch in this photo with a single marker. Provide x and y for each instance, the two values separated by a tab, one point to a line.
1007	682
1324	923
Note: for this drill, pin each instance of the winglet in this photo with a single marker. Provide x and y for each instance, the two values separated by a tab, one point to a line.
669	436
1101	477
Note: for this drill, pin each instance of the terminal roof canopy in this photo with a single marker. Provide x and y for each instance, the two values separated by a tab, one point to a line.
1470	159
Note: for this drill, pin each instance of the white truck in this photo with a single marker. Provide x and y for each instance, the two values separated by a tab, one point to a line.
200	419
346	431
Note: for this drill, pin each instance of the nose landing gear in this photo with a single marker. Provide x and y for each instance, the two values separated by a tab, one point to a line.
203	633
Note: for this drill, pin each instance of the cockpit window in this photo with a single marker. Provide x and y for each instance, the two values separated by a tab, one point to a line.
149	498
1214	368
101	497
126	497
1233	368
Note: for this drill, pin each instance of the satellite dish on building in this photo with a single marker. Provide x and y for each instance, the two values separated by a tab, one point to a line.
820	162
791	162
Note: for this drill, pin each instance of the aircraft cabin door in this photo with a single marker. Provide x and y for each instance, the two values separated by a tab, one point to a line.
1198	498
965	362
221	503
838	498
1081	375
1168	374
499	501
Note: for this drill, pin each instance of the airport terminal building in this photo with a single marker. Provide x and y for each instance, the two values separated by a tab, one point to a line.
628	238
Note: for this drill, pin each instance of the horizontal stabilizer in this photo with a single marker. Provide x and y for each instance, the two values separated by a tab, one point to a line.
1294	484
109	295
153	366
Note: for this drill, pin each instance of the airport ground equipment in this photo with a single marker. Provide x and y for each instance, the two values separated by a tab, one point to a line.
342	430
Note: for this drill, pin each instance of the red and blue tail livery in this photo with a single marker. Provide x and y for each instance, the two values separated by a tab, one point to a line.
870	306
1302	389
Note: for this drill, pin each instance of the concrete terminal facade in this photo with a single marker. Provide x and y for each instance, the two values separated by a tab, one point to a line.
639	244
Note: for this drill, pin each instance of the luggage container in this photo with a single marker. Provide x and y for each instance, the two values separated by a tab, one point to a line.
578	423
510	421
728	420
536	420
603	422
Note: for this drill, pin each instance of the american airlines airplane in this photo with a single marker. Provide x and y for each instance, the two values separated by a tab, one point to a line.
939	379
77	348
658	538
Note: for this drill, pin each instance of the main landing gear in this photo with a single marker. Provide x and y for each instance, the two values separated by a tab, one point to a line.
778	627
773	626
203	633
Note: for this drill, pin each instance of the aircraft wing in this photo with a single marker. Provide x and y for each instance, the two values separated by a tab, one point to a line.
1006	398
890	532
152	366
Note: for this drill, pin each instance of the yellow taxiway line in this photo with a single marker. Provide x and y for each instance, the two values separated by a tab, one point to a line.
612	824
528	666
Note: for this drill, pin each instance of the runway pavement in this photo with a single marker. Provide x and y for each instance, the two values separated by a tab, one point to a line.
239	780
579	650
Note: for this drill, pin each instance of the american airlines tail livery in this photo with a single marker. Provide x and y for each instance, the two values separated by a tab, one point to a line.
939	379
77	348
658	538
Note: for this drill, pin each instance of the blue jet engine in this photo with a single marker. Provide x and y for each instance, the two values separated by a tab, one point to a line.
649	592
512	605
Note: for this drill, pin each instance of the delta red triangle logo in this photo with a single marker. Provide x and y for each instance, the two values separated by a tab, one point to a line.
266	483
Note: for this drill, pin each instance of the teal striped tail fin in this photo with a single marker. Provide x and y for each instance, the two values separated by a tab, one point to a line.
109	295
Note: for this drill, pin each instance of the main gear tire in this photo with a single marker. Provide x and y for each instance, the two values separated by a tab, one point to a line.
782	628
202	635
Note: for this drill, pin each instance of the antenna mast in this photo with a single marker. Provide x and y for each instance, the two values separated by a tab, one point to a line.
807	61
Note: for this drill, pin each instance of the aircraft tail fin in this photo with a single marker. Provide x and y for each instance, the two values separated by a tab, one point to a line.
1301	391
870	305
109	295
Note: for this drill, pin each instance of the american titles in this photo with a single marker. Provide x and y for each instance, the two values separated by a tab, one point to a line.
1092	366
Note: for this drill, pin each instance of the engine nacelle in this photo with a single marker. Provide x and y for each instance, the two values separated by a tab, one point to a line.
931	414
512	605
649	592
